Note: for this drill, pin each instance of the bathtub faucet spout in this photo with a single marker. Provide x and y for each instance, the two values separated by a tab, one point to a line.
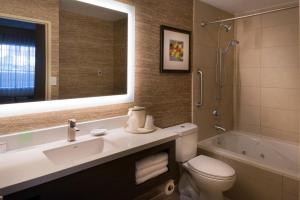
219	128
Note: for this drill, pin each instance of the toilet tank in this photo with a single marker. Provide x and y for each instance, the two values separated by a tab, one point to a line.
186	143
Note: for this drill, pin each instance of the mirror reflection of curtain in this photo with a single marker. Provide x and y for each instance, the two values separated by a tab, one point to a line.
17	62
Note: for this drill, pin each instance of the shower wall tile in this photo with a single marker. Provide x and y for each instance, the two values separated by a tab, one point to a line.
249	96
205	54
280	35
227	96
280	78
205	57
228	71
249	57
206	36
280	119
281	18
206	122
248	24
281	56
250	39
249	77
280	98
249	115
267	75
226	117
206	12
279	134
299	125
247	128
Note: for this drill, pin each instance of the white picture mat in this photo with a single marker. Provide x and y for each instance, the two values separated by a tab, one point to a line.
176	65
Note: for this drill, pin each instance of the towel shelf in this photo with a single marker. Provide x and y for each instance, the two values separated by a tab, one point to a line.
172	173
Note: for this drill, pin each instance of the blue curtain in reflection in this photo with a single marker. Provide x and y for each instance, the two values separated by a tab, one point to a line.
17	62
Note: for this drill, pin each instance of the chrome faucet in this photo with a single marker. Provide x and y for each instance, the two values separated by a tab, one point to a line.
219	128
72	129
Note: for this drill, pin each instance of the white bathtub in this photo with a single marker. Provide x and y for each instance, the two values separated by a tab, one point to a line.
263	152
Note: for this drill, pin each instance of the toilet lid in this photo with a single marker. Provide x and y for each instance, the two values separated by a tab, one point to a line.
211	167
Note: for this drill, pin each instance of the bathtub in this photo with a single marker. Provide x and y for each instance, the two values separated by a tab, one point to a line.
266	153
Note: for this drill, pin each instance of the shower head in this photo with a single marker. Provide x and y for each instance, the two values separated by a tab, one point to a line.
231	43
227	27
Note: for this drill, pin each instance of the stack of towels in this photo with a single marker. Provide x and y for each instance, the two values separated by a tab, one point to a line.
151	167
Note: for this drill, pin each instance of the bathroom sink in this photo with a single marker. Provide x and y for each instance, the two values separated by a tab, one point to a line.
78	150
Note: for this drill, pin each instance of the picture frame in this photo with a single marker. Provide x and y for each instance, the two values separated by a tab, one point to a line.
175	50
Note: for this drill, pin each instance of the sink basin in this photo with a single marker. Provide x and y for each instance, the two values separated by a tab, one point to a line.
78	150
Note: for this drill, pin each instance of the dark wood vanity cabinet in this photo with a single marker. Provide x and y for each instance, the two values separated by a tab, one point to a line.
108	181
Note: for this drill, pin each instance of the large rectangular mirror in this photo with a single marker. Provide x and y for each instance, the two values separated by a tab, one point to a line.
93	55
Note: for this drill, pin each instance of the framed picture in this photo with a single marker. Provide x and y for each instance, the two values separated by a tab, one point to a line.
175	46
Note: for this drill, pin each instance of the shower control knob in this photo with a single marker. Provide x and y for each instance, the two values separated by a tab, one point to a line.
216	113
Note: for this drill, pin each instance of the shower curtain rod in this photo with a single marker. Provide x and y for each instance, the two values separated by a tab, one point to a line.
250	15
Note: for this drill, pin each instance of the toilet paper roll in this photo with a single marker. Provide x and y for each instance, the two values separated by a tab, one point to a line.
169	187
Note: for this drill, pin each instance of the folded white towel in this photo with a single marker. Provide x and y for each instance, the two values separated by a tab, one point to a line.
152	175
143	172
151	160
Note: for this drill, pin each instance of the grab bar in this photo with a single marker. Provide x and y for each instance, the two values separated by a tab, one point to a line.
200	102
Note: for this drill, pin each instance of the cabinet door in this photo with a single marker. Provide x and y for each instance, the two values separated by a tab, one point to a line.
28	194
112	180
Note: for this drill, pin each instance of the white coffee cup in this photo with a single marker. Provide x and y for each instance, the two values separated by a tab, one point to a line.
133	124
139	114
149	124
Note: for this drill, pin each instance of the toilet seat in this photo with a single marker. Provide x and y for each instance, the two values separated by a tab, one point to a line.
211	168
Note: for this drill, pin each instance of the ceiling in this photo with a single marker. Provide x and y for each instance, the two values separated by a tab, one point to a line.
91	10
238	7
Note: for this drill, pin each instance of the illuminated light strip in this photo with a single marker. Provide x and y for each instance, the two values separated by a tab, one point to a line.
8	110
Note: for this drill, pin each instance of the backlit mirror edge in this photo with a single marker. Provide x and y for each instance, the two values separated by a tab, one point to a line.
9	110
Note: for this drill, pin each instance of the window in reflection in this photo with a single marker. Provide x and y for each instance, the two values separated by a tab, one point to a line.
19	61
17	70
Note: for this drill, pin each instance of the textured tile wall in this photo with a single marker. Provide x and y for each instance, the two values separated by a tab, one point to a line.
166	96
267	73
120	56
86	46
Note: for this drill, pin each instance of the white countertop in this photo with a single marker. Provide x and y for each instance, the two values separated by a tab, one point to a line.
24	168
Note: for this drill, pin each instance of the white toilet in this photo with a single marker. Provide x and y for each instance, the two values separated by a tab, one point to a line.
211	176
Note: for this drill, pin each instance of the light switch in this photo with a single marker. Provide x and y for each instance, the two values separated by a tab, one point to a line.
53	80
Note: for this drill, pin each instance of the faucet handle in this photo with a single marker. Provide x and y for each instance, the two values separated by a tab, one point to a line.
76	129
72	123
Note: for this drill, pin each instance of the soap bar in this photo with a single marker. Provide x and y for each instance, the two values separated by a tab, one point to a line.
98	132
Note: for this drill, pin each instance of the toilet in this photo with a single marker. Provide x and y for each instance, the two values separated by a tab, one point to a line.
211	176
